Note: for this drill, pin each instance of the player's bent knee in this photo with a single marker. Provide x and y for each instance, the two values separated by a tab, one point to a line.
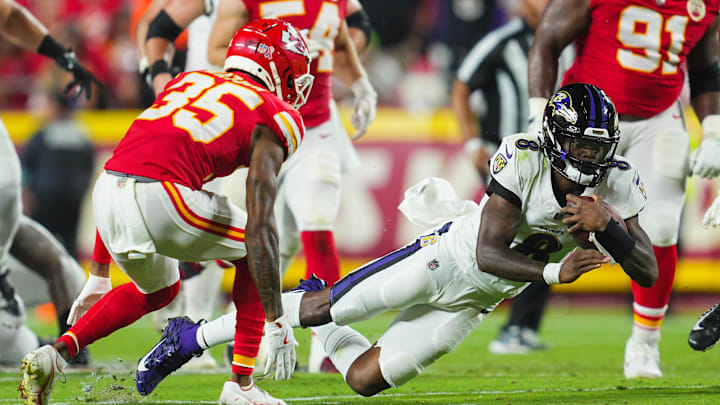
324	167
160	298
398	368
664	232
365	381
322	199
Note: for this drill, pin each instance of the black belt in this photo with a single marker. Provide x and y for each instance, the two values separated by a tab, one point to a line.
139	179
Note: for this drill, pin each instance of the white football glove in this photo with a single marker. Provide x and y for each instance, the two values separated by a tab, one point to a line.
712	215
537	112
365	106
315	46
704	161
94	289
280	348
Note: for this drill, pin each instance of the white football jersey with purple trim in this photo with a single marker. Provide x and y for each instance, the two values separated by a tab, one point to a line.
520	167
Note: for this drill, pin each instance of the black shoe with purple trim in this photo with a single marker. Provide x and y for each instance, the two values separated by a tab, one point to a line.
175	348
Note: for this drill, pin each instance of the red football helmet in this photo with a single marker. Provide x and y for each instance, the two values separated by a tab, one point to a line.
275	52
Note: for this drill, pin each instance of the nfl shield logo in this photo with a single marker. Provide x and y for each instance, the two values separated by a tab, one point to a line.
433	264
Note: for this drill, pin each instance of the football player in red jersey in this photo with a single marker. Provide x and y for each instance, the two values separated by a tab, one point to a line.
634	50
309	196
309	192
150	208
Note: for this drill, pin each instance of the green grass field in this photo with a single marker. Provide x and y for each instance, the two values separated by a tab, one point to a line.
584	366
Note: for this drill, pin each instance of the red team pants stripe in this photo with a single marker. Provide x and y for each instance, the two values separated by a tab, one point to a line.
197	221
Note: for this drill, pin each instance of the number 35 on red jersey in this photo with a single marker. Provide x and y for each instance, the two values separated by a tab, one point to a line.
200	127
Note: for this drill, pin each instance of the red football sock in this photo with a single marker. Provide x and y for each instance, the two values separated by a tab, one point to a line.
120	307
249	322
651	303
321	256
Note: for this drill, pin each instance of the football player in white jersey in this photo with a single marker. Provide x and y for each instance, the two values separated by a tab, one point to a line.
454	276
474	256
27	240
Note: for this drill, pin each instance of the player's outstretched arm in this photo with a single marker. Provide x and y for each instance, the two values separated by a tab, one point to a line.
98	282
231	16
20	27
704	75
498	226
562	22
359	30
141	30
24	30
365	96
261	237
163	29
261	240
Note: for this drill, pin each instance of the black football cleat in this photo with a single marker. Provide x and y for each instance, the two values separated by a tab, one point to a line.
706	331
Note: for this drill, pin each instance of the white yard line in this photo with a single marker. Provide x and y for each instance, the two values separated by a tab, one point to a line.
333	398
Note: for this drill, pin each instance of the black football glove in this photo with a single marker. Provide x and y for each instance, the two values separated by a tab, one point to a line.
82	78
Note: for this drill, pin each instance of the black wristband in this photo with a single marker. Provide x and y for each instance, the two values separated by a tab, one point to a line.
616	240
704	80
159	66
361	21
50	47
163	26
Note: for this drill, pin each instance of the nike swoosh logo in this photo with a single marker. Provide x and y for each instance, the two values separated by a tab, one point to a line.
696	327
285	341
509	155
141	364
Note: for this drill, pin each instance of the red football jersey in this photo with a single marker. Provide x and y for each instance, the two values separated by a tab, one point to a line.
322	19
199	128
634	49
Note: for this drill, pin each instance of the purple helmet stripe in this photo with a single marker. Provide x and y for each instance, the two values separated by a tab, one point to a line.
591	121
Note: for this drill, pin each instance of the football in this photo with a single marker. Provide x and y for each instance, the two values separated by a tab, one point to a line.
582	237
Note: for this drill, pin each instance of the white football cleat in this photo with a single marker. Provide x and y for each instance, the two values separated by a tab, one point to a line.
41	369
509	342
642	359
233	394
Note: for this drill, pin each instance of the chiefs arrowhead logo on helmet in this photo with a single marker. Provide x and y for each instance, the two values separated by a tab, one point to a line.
274	52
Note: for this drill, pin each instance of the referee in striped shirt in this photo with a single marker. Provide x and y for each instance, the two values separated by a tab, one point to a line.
494	78
490	91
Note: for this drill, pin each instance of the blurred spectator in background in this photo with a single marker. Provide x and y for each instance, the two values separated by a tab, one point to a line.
489	99
98	32
57	166
416	47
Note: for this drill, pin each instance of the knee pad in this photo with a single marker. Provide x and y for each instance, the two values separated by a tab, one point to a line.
671	152
661	222
321	199
398	368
